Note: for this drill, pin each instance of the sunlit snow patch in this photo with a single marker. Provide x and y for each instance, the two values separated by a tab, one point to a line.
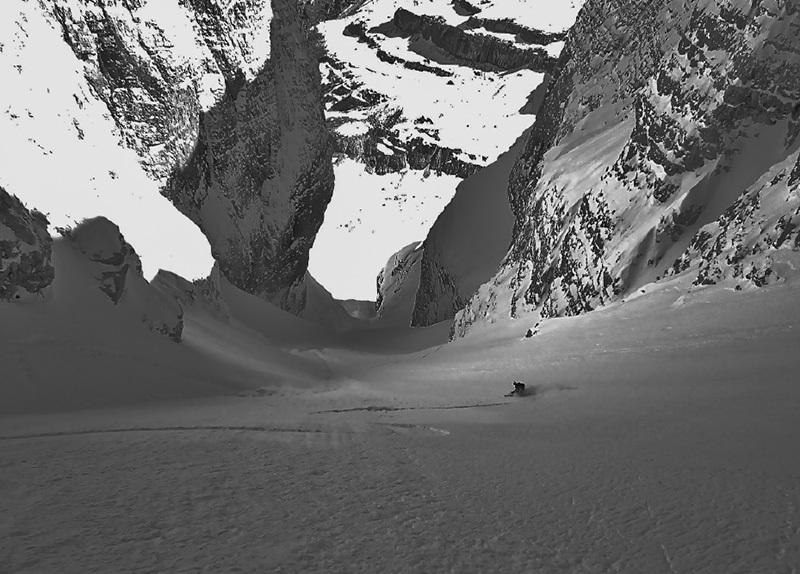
369	217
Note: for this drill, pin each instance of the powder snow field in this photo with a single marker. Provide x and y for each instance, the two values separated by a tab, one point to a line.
660	436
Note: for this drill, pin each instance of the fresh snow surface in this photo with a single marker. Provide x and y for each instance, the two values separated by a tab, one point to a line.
368	219
659	436
62	153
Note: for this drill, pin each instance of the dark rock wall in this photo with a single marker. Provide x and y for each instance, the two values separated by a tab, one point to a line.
477	50
25	250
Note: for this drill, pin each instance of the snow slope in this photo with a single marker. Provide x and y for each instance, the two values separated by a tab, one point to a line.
97	337
466	243
658	437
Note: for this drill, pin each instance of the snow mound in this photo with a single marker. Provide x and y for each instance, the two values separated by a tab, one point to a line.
117	271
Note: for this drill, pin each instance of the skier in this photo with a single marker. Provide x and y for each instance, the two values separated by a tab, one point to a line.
519	390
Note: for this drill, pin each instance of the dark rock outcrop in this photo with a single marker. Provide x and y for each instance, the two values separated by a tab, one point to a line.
416	153
25	250
523	34
667	115
202	294
477	50
343	93
263	166
465	8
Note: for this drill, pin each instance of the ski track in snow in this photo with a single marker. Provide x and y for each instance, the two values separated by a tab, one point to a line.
389	497
660	437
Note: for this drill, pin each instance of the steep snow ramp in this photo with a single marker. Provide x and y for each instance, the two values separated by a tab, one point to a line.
466	243
77	349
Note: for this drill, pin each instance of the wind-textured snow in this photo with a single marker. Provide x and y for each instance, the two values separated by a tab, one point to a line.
658	437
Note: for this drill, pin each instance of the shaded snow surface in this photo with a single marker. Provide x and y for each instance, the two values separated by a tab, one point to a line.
660	436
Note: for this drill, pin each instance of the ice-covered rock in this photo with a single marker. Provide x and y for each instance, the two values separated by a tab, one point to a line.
25	250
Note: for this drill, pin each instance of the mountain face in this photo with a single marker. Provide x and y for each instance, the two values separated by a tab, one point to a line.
666	145
25	250
373	122
221	102
260	176
420	96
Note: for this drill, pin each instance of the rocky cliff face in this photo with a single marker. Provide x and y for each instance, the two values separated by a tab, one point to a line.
261	174
222	101
25	250
487	45
422	118
522	33
158	68
668	134
380	145
477	50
